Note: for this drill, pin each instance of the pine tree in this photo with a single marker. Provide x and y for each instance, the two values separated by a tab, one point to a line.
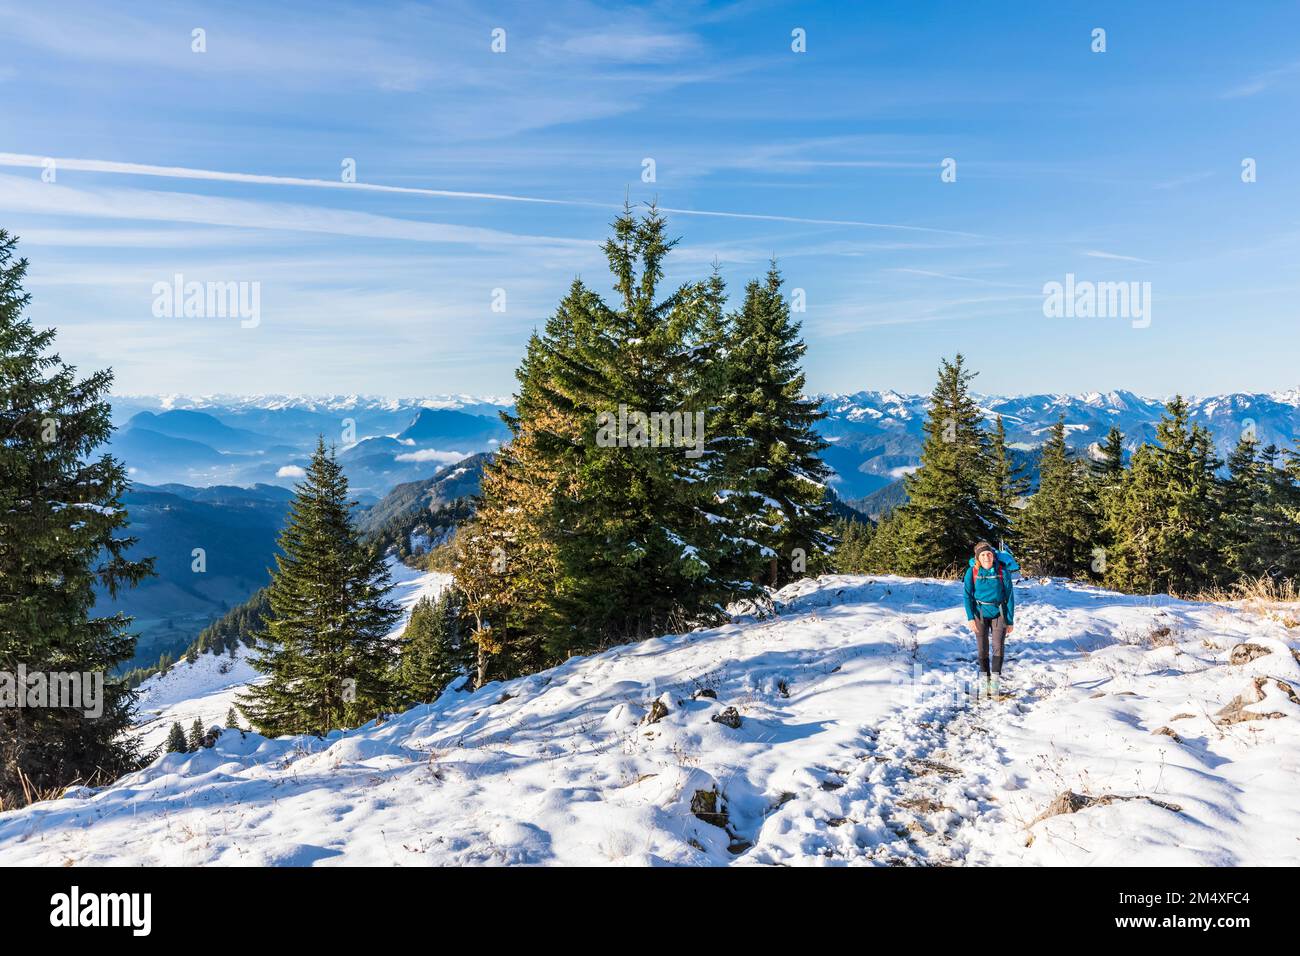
1133	523
325	645
949	505
1008	484
61	524
1243	500
176	742
1108	467
195	740
1165	521
774	480
434	651
621	539
1056	527
232	719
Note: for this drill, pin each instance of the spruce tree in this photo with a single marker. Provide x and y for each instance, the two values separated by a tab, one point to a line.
949	504
232	719
1108	466
1056	528
1008	484
1165	521
622	539
195	740
61	534
434	650
1244	498
774	480
176	742
325	645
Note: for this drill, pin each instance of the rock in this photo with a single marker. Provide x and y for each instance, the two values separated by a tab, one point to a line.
728	718
658	711
210	738
1168	733
1071	802
1245	653
708	692
704	804
1234	712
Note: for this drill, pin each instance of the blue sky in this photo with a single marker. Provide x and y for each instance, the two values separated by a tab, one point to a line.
1115	166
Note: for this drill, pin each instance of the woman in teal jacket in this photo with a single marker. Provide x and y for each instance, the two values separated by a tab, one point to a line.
990	611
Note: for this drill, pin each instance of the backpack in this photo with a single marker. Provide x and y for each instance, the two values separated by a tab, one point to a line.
1002	584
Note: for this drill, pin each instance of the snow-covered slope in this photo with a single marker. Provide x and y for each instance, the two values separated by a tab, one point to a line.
206	689
854	745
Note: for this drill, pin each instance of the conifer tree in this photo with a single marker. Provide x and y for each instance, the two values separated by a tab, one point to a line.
61	534
1008	483
1108	467
775	480
195	740
622	540
232	719
1056	527
325	646
1165	523
1244	499
949	504
434	651
176	742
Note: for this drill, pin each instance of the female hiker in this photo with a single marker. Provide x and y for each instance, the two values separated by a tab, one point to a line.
990	610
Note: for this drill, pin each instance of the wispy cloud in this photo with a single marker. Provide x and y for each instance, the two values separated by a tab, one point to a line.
179	172
1261	82
1100	254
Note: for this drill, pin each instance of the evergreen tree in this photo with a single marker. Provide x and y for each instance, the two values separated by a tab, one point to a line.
325	644
1056	527
61	524
949	504
176	742
1245	493
1008	484
195	740
1165	523
434	651
595	534
1108	467
774	480
853	539
232	719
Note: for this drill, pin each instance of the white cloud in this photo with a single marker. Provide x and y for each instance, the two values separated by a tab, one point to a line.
291	471
431	454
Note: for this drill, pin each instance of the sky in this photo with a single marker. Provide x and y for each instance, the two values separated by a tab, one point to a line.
485	181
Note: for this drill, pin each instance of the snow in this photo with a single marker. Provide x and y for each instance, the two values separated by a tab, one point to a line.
206	689
856	746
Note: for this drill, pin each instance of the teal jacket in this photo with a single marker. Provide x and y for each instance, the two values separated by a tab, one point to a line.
982	590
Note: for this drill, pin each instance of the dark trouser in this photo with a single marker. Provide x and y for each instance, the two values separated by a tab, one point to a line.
990	630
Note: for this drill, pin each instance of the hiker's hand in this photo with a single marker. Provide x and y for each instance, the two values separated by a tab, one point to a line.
1010	628
974	628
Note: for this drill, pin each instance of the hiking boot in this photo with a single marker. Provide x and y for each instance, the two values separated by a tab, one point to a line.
994	686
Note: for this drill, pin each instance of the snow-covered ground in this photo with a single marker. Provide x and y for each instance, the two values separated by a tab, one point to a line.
206	689
854	745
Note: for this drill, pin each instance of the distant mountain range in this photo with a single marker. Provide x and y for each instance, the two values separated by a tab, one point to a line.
875	436
269	439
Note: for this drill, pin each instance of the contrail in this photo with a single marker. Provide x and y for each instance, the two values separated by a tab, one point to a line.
184	172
